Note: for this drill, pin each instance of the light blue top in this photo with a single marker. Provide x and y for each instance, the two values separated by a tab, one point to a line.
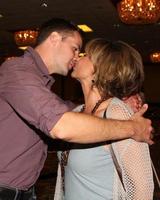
89	174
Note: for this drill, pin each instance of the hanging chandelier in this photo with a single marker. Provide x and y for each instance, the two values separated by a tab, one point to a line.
155	57
25	38
139	11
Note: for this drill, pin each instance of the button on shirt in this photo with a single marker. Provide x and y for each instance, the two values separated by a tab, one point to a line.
27	108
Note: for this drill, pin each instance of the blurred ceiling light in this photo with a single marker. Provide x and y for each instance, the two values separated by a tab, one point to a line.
155	57
82	54
22	47
85	28
44	4
139	11
10	57
25	38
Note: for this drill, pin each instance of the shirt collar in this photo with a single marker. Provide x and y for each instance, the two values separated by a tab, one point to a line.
40	65
38	60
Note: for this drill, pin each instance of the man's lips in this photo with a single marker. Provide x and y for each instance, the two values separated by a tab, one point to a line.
72	64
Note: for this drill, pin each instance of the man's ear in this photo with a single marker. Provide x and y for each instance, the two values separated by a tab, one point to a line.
55	37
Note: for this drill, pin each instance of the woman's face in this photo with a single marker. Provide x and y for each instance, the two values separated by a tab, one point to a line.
83	69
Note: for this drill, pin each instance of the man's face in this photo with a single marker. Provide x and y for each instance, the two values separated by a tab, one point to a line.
67	53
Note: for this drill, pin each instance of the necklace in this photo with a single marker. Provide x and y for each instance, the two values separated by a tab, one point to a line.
95	107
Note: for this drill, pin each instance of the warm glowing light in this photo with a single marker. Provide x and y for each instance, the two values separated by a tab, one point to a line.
85	28
155	57
139	11
10	57
22	47
25	37
82	54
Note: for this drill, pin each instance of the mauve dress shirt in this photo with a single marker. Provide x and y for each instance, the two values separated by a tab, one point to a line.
27	106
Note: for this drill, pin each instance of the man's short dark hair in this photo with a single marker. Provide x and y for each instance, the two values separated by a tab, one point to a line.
56	24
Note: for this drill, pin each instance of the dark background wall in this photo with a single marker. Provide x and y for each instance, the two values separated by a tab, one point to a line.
152	82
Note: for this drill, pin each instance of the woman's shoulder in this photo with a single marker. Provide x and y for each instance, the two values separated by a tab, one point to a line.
118	109
120	104
78	108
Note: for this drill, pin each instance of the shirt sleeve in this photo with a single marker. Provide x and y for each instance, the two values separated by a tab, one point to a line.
31	99
134	160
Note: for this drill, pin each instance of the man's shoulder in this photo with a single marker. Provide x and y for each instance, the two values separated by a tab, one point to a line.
17	61
20	70
5	109
18	64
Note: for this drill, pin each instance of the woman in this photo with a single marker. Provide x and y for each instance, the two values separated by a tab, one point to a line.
109	73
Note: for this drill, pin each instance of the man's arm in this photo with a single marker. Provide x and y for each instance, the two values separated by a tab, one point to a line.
84	128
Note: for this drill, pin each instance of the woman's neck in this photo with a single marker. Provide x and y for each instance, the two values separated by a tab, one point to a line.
91	96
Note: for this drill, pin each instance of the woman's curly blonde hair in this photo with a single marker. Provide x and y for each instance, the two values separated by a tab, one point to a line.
118	67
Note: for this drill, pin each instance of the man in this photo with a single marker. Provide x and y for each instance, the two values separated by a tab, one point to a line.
28	107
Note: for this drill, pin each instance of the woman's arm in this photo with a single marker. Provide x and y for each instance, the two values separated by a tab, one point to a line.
134	159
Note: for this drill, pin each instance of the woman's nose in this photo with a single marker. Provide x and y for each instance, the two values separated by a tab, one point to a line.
77	57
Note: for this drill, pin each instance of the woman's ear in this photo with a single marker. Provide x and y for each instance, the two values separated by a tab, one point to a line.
93	81
93	78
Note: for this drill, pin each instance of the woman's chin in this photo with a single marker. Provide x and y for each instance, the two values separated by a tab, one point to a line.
73	74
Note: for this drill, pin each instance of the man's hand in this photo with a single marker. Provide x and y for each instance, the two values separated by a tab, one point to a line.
135	101
142	126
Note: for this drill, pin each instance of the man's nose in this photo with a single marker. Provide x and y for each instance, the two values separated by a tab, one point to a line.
74	61
76	55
